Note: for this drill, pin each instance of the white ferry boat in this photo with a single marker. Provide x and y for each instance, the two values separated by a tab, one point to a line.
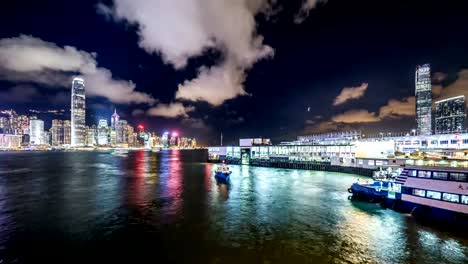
435	192
439	193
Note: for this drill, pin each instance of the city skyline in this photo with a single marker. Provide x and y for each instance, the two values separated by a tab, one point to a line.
368	86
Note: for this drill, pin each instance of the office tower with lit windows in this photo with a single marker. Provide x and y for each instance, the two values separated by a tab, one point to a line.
4	125
36	132
78	112
450	115
121	132
103	133
56	132
66	132
423	94
91	136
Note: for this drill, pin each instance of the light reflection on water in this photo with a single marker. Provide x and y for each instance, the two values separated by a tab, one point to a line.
169	202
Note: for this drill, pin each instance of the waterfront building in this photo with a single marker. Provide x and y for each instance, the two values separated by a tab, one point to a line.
78	112
450	115
165	139
4	125
114	119
57	132
103	133
36	132
194	143
423	94
121	129
112	138
47	138
332	137
9	141
91	136
66	132
130	136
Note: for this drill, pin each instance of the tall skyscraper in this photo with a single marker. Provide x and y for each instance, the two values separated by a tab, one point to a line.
450	115
36	132
78	112
114	119
423	99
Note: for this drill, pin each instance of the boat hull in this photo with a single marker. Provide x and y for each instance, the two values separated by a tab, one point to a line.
221	175
367	193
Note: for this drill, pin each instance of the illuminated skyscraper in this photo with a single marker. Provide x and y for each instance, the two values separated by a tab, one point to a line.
103	132
78	112
450	115
423	99
66	132
56	132
36	132
114	119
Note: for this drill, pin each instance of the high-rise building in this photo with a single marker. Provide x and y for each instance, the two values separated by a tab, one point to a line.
66	132
114	119
450	115
130	136
91	136
121	132
4	125
112	138
423	99
57	132
47	138
103	132
78	112
36	134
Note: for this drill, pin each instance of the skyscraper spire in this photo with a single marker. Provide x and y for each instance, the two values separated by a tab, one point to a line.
114	119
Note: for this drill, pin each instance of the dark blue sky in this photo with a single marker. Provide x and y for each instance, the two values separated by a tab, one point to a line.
340	44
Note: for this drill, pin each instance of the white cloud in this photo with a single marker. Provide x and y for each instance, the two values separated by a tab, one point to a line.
29	59
195	26
171	110
213	85
307	5
350	93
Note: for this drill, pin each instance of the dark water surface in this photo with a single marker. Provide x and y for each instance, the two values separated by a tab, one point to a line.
167	208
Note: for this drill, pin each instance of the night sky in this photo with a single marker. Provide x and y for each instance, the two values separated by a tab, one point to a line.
246	68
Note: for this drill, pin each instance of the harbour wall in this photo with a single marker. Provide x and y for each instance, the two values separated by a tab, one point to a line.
303	165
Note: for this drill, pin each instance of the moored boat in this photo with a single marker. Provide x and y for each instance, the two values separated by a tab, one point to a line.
222	172
435	193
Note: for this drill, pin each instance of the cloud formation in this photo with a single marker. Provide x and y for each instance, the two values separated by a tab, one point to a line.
172	110
356	116
350	93
196	26
307	5
456	88
399	108
213	85
29	59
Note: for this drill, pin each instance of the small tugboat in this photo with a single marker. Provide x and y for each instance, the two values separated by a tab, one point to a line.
222	172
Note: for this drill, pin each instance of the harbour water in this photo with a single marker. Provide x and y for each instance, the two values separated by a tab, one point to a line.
167	207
